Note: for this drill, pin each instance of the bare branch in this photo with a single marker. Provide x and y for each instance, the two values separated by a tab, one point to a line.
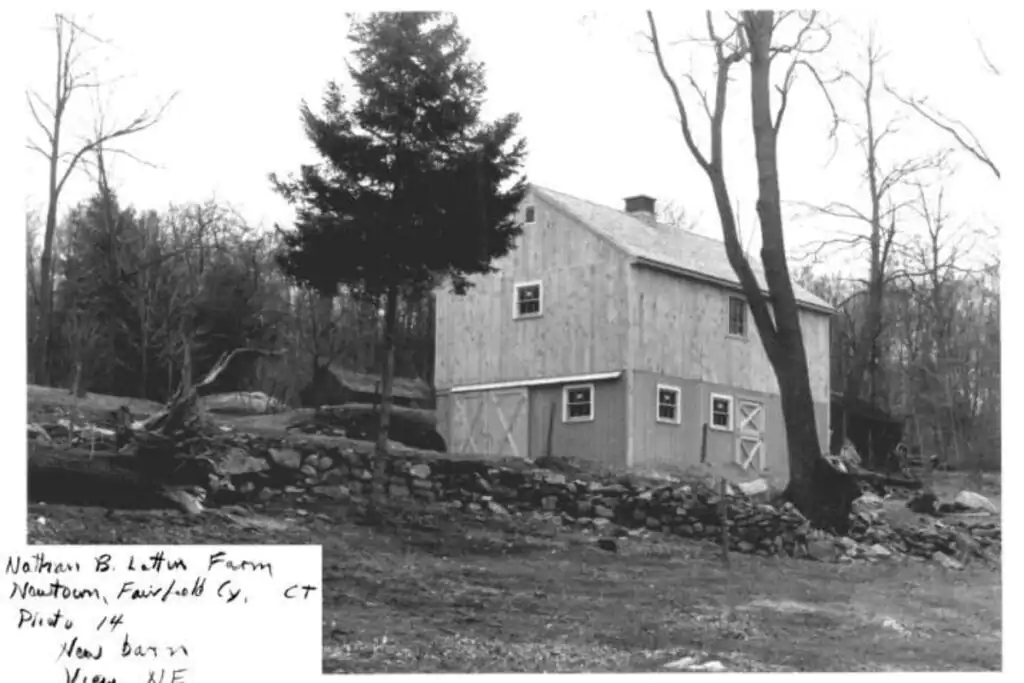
950	126
684	122
984	56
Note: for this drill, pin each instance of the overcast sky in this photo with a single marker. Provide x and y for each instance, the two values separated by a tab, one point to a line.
599	120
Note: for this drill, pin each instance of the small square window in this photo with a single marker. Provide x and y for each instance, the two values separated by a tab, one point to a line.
578	403
737	317
669	409
528	300
531	214
721	412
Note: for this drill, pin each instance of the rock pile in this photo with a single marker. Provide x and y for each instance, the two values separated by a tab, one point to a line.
262	468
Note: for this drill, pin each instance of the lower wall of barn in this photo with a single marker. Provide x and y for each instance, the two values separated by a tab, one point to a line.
660	445
601	441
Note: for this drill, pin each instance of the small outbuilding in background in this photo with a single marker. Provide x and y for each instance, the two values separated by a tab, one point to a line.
334	385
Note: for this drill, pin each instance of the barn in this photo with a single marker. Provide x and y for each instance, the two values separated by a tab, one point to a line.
606	336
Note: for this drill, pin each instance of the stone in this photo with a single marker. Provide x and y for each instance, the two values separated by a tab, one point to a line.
868	502
947	561
325	463
398	491
753	488
336	492
310	460
584	508
877	550
975	501
602	511
653	523
309	471
239	461
473	507
246	487
497	509
556	478
423	484
265	494
549	503
188	503
420	471
334	476
286	457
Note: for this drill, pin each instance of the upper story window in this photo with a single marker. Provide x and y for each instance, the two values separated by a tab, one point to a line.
528	303
737	317
531	214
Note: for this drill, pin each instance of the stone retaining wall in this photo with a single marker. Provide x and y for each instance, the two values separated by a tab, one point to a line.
263	468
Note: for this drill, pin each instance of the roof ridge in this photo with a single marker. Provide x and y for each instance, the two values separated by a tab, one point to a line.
664	244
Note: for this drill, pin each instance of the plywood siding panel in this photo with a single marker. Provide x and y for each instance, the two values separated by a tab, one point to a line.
661	446
601	441
682	332
585	323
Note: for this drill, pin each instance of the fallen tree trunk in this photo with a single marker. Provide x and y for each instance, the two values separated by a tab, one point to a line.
74	477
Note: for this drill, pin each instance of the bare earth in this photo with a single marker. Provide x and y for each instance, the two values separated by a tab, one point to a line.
439	591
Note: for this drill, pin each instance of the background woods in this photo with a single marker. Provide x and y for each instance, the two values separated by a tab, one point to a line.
130	293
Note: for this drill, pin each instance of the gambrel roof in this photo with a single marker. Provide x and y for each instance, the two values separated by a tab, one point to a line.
665	247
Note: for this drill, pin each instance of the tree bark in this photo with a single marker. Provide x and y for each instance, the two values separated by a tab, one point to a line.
387	380
821	492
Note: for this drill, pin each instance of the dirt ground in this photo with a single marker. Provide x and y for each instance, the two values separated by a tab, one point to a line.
435	591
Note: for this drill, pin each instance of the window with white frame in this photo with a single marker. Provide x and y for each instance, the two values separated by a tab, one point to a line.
721	412
737	317
578	403
531	214
528	300
669	408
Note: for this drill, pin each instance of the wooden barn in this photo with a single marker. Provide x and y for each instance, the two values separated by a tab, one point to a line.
607	336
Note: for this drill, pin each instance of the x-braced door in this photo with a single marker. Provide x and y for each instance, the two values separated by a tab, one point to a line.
750	417
490	423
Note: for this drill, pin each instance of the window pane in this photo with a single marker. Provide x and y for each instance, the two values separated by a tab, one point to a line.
667	397
579	396
530	214
720	405
667	412
720	420
579	410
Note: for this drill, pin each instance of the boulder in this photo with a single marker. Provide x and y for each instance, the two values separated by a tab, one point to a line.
286	457
975	501
239	461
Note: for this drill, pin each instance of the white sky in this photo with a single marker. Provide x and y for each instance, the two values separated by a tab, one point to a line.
598	119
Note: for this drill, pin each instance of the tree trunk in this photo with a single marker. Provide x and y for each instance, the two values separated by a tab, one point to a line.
821	492
387	380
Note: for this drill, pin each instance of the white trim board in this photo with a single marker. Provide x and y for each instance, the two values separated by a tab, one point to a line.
544	381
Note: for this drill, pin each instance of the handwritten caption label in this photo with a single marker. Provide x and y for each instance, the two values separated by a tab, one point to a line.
175	614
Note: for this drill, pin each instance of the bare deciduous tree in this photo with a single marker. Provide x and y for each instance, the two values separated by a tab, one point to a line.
817	489
72	76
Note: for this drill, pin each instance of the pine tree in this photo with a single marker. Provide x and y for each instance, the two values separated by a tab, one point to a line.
414	189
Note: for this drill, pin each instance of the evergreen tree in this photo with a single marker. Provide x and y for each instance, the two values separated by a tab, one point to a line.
414	188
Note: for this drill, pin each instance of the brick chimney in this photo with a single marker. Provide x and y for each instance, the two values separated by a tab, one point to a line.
641	206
